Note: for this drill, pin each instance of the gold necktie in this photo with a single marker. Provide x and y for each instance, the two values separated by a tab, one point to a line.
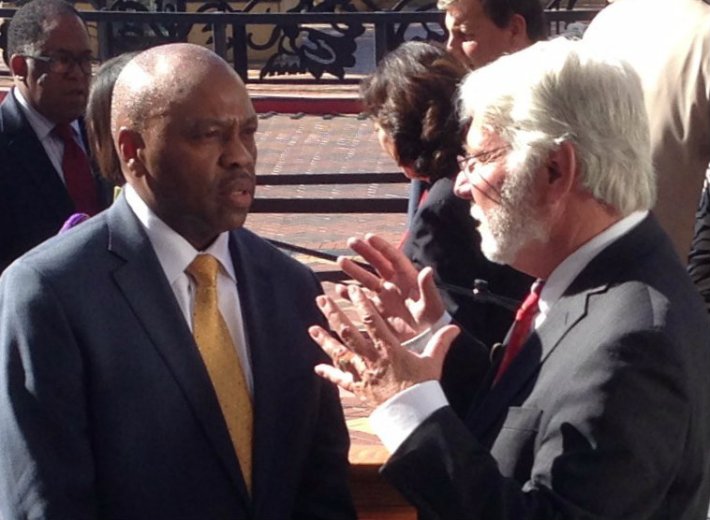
220	358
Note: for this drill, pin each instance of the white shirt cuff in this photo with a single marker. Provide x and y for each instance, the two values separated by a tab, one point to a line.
417	343
395	419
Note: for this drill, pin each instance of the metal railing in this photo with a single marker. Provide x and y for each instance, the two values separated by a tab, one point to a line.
229	35
307	47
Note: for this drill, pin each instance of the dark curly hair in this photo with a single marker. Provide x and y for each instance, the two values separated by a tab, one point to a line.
412	96
27	26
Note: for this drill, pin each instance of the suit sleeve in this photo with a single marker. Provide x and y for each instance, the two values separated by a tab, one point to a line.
45	455
699	257
323	493
608	448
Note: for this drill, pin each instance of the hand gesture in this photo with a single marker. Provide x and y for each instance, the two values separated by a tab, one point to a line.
408	299
374	366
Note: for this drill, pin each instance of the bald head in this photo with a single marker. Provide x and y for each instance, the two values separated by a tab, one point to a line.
184	129
159	77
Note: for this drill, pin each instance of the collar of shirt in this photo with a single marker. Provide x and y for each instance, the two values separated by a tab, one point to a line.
565	273
173	251
41	125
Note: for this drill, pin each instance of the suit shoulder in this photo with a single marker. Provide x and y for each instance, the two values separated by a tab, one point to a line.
68	251
269	254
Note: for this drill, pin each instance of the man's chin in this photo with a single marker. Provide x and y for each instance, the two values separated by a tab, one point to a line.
492	250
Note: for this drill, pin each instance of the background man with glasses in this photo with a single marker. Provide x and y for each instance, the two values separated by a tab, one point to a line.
45	174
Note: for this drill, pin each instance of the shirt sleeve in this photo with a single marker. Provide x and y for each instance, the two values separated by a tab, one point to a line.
417	343
395	419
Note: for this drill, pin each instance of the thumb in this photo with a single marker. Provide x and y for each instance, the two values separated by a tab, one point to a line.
440	343
432	306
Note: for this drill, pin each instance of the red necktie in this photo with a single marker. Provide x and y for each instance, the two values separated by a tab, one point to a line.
77	172
521	328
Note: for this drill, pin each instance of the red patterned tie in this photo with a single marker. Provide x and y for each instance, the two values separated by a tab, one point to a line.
521	328
77	172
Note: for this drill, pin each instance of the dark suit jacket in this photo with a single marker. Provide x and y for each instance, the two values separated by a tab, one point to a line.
107	411
605	414
444	236
34	203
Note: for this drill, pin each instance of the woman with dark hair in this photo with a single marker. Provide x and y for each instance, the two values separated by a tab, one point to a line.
98	118
411	98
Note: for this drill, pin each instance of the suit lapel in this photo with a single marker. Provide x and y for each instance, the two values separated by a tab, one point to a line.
564	315
143	284
26	148
257	299
562	318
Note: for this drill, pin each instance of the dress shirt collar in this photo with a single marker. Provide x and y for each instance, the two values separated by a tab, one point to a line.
173	251
565	273
41	125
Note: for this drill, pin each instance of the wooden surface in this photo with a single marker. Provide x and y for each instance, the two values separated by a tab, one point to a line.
374	498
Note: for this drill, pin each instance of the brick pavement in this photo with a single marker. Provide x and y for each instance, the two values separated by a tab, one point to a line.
323	144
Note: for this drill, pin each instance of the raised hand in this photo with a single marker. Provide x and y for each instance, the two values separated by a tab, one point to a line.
408	299
374	366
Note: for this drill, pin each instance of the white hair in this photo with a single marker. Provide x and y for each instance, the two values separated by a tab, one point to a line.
558	91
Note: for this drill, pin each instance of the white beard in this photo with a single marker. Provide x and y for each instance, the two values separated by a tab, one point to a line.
511	224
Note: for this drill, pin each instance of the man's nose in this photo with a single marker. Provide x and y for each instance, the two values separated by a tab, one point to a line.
238	153
462	186
451	44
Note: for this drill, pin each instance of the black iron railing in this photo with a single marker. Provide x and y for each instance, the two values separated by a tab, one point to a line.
299	47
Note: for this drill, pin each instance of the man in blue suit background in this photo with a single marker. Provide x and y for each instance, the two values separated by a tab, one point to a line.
45	174
109	407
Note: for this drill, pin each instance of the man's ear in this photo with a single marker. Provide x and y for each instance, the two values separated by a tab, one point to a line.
518	30
562	171
130	146
18	66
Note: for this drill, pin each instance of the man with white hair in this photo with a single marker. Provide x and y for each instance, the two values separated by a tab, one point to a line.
600	405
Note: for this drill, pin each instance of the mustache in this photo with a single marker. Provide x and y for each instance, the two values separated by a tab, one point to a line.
492	193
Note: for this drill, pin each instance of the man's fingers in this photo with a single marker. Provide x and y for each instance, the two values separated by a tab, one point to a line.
328	343
358	273
401	266
344	328
377	328
332	374
440	343
431	303
341	290
372	256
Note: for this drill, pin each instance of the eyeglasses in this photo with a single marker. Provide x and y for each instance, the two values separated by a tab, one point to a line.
62	62
468	162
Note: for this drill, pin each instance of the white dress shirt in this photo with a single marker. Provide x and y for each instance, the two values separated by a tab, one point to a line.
43	127
175	254
395	419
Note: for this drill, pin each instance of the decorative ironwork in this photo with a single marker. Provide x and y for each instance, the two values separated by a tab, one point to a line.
321	41
303	49
132	36
316	50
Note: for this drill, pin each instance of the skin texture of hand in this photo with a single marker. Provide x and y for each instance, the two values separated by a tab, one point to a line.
407	298
374	366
